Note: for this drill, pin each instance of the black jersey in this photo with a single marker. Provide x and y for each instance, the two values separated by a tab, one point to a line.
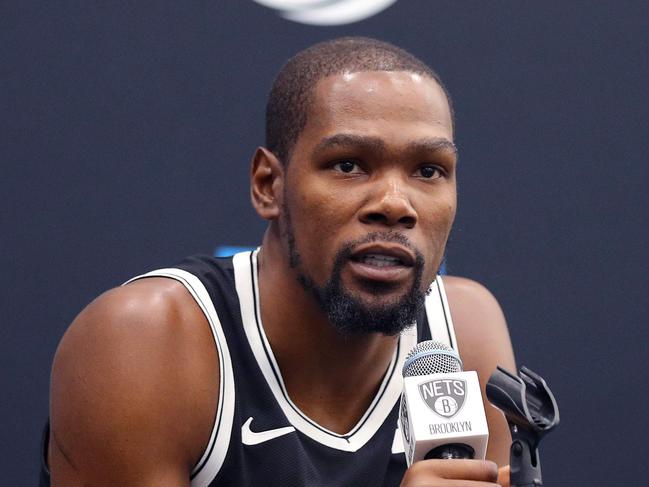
259	436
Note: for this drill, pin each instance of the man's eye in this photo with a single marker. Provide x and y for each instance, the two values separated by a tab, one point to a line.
347	167
430	172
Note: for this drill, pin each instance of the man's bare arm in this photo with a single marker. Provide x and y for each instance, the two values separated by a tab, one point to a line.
134	389
484	343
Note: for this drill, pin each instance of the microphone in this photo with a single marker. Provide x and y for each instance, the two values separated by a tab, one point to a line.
441	413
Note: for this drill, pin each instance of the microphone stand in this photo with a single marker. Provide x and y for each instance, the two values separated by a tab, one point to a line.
531	412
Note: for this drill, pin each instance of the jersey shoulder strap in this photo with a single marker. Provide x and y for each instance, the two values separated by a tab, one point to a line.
438	315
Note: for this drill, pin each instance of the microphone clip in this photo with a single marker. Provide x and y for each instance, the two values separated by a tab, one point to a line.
531	412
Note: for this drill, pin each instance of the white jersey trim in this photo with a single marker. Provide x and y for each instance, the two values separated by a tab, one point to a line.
439	315
214	455
245	271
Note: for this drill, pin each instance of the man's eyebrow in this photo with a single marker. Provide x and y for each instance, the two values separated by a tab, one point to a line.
350	140
434	144
427	144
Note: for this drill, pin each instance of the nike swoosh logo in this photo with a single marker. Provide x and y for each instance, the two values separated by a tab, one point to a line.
249	437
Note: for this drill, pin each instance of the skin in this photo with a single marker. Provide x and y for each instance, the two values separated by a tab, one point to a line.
135	377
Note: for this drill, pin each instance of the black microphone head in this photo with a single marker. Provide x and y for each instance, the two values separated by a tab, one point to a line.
431	357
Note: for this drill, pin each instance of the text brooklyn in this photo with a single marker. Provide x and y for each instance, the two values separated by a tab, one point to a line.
445	428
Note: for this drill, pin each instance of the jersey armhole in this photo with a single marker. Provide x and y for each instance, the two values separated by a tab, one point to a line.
214	454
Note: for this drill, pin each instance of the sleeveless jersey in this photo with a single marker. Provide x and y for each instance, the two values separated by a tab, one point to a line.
259	437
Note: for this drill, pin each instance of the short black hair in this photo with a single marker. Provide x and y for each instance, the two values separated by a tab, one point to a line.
291	94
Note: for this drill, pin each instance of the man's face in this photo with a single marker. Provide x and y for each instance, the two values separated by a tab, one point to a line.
370	197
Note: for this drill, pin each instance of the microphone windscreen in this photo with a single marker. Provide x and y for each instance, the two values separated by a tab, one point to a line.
431	357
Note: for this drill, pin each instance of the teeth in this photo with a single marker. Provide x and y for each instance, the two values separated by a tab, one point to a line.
380	260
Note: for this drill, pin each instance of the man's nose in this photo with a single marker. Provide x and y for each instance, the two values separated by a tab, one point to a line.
389	204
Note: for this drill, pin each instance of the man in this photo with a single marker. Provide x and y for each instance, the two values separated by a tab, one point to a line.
282	366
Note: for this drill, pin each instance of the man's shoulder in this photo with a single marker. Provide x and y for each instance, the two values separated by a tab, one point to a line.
483	342
127	364
131	330
479	321
149	319
145	308
466	294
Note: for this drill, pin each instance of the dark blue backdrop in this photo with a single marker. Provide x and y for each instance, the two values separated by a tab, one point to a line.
125	134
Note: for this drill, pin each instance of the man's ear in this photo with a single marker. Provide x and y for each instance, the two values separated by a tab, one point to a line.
266	183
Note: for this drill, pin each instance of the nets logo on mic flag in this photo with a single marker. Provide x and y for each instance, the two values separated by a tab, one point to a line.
439	409
444	396
441	413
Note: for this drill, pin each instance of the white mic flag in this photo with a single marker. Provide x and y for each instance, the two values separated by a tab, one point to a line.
441	413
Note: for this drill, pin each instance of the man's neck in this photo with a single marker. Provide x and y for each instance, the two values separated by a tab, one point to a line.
331	377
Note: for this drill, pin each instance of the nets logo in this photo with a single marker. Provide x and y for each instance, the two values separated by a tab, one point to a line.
444	396
326	12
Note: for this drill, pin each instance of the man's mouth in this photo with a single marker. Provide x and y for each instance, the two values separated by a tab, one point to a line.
379	260
383	255
384	262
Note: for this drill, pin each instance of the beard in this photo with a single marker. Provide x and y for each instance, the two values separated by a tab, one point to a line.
349	314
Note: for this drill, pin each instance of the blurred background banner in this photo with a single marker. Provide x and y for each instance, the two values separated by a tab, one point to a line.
126	131
327	12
